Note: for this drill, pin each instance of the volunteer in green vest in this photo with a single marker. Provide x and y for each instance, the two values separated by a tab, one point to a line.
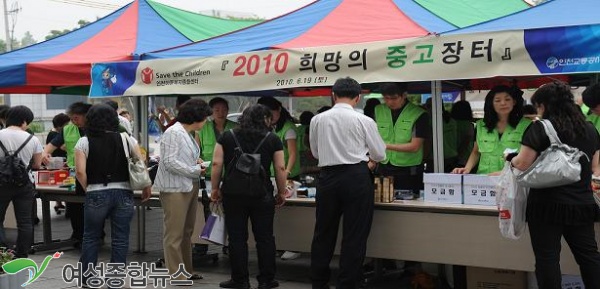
284	127
404	127
465	130
212	130
499	132
591	98
66	139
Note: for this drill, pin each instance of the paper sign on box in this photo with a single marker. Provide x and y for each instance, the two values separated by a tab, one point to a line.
443	188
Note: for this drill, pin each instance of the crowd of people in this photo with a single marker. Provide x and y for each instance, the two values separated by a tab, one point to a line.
199	146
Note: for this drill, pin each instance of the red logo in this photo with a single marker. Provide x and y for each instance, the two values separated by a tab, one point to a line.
147	75
505	214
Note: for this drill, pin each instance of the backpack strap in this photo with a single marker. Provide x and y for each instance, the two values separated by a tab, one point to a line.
237	143
261	142
19	149
4	149
257	147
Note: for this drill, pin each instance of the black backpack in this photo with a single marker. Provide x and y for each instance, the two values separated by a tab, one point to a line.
13	172
245	175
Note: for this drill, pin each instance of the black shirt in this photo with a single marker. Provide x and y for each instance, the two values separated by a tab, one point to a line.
248	145
569	204
57	152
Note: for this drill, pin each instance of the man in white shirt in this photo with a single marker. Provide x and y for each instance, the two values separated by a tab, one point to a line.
347	145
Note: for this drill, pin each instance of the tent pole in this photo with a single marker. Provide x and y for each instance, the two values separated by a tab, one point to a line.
437	125
143	123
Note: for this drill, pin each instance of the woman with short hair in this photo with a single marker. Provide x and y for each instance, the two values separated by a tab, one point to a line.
177	180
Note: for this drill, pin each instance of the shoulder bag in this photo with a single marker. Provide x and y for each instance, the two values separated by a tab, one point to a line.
139	177
557	165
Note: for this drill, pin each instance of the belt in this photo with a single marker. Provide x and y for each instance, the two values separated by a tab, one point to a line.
342	166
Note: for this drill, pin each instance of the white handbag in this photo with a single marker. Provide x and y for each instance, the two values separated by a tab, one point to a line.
139	177
556	166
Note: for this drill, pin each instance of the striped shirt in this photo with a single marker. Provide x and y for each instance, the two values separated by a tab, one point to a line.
179	153
342	136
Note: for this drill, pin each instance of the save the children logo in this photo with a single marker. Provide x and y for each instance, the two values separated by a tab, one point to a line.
147	75
18	265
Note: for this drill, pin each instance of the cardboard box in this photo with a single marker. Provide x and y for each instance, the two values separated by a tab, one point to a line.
485	278
480	190
443	188
51	178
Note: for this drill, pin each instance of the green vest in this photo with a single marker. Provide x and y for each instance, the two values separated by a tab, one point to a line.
492	147
281	134
450	139
301	138
595	120
208	140
71	136
399	133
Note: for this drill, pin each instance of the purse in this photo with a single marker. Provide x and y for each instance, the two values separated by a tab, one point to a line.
556	166
139	177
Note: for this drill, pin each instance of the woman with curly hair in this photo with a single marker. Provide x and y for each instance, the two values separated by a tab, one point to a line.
501	128
105	180
567	211
254	129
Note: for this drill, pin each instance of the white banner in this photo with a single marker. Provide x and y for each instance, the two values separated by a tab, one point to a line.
417	59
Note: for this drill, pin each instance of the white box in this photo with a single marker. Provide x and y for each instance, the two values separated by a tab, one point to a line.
479	190
443	188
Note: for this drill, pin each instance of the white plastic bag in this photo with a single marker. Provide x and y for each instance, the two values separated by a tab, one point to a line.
512	203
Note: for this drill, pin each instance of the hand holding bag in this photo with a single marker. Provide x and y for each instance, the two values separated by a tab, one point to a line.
512	204
214	229
139	177
556	166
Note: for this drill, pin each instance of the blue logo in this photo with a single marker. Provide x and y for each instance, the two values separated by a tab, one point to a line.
552	62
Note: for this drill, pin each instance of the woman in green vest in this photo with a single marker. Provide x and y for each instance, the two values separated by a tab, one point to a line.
285	128
499	132
209	134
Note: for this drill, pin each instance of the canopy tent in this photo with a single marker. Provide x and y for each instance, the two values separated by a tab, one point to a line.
335	22
557	44
138	27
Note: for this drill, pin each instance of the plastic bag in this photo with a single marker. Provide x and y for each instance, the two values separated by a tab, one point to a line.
512	203
214	229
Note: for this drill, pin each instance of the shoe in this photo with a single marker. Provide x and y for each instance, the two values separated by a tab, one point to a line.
36	221
196	277
236	285
289	255
58	209
268	285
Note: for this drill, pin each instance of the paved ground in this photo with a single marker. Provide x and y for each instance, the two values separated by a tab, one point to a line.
292	274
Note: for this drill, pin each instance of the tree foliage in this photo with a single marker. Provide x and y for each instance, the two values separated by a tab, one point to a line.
55	33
